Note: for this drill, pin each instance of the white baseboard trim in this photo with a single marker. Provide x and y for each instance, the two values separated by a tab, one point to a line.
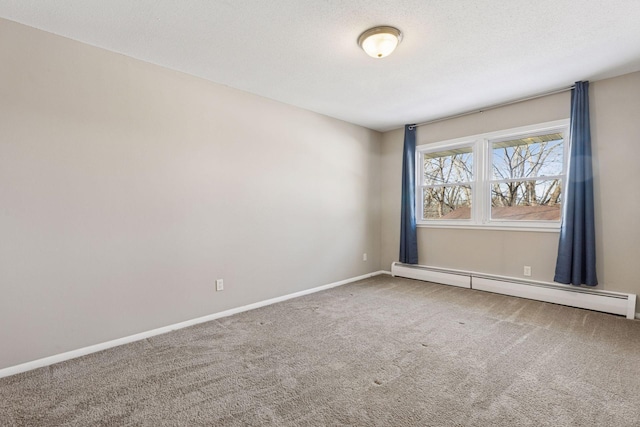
50	360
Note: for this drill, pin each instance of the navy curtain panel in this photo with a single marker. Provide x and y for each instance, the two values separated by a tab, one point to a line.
576	262
408	235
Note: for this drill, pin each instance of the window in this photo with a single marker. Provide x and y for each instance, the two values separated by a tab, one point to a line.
447	178
526	183
511	178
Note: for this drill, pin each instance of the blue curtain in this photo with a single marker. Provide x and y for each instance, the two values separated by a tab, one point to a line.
576	262
408	236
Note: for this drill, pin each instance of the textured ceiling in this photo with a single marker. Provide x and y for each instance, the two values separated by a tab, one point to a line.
456	55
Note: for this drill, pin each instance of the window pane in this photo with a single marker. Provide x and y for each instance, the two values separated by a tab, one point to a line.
447	167
527	200
530	157
451	202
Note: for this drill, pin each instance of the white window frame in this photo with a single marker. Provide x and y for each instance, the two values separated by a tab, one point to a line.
482	176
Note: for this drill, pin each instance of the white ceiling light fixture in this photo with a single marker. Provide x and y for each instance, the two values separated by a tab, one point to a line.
379	42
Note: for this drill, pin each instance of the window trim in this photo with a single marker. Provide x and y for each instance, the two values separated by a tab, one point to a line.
482	173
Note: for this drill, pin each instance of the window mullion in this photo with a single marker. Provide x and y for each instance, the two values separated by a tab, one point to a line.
484	196
419	198
535	178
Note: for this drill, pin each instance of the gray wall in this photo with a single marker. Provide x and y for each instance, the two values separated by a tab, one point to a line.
615	108
126	189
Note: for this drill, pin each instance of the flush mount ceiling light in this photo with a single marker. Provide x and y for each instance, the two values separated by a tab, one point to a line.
379	42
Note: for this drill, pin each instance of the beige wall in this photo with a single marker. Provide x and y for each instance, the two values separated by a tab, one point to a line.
615	127
615	108
126	189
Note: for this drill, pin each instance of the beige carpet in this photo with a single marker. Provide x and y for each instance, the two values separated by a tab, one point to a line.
380	352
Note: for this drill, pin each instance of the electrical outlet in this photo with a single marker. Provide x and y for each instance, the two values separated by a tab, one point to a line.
527	270
364	257
219	285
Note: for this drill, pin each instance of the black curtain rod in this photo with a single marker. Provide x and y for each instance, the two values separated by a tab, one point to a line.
491	107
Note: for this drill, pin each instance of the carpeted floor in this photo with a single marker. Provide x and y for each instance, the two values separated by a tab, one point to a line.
380	352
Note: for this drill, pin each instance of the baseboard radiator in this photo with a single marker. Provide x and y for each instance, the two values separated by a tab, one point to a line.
605	301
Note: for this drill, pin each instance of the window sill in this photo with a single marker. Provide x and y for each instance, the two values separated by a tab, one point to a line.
494	227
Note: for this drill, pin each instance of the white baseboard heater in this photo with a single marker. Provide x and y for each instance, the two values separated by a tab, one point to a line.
606	301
